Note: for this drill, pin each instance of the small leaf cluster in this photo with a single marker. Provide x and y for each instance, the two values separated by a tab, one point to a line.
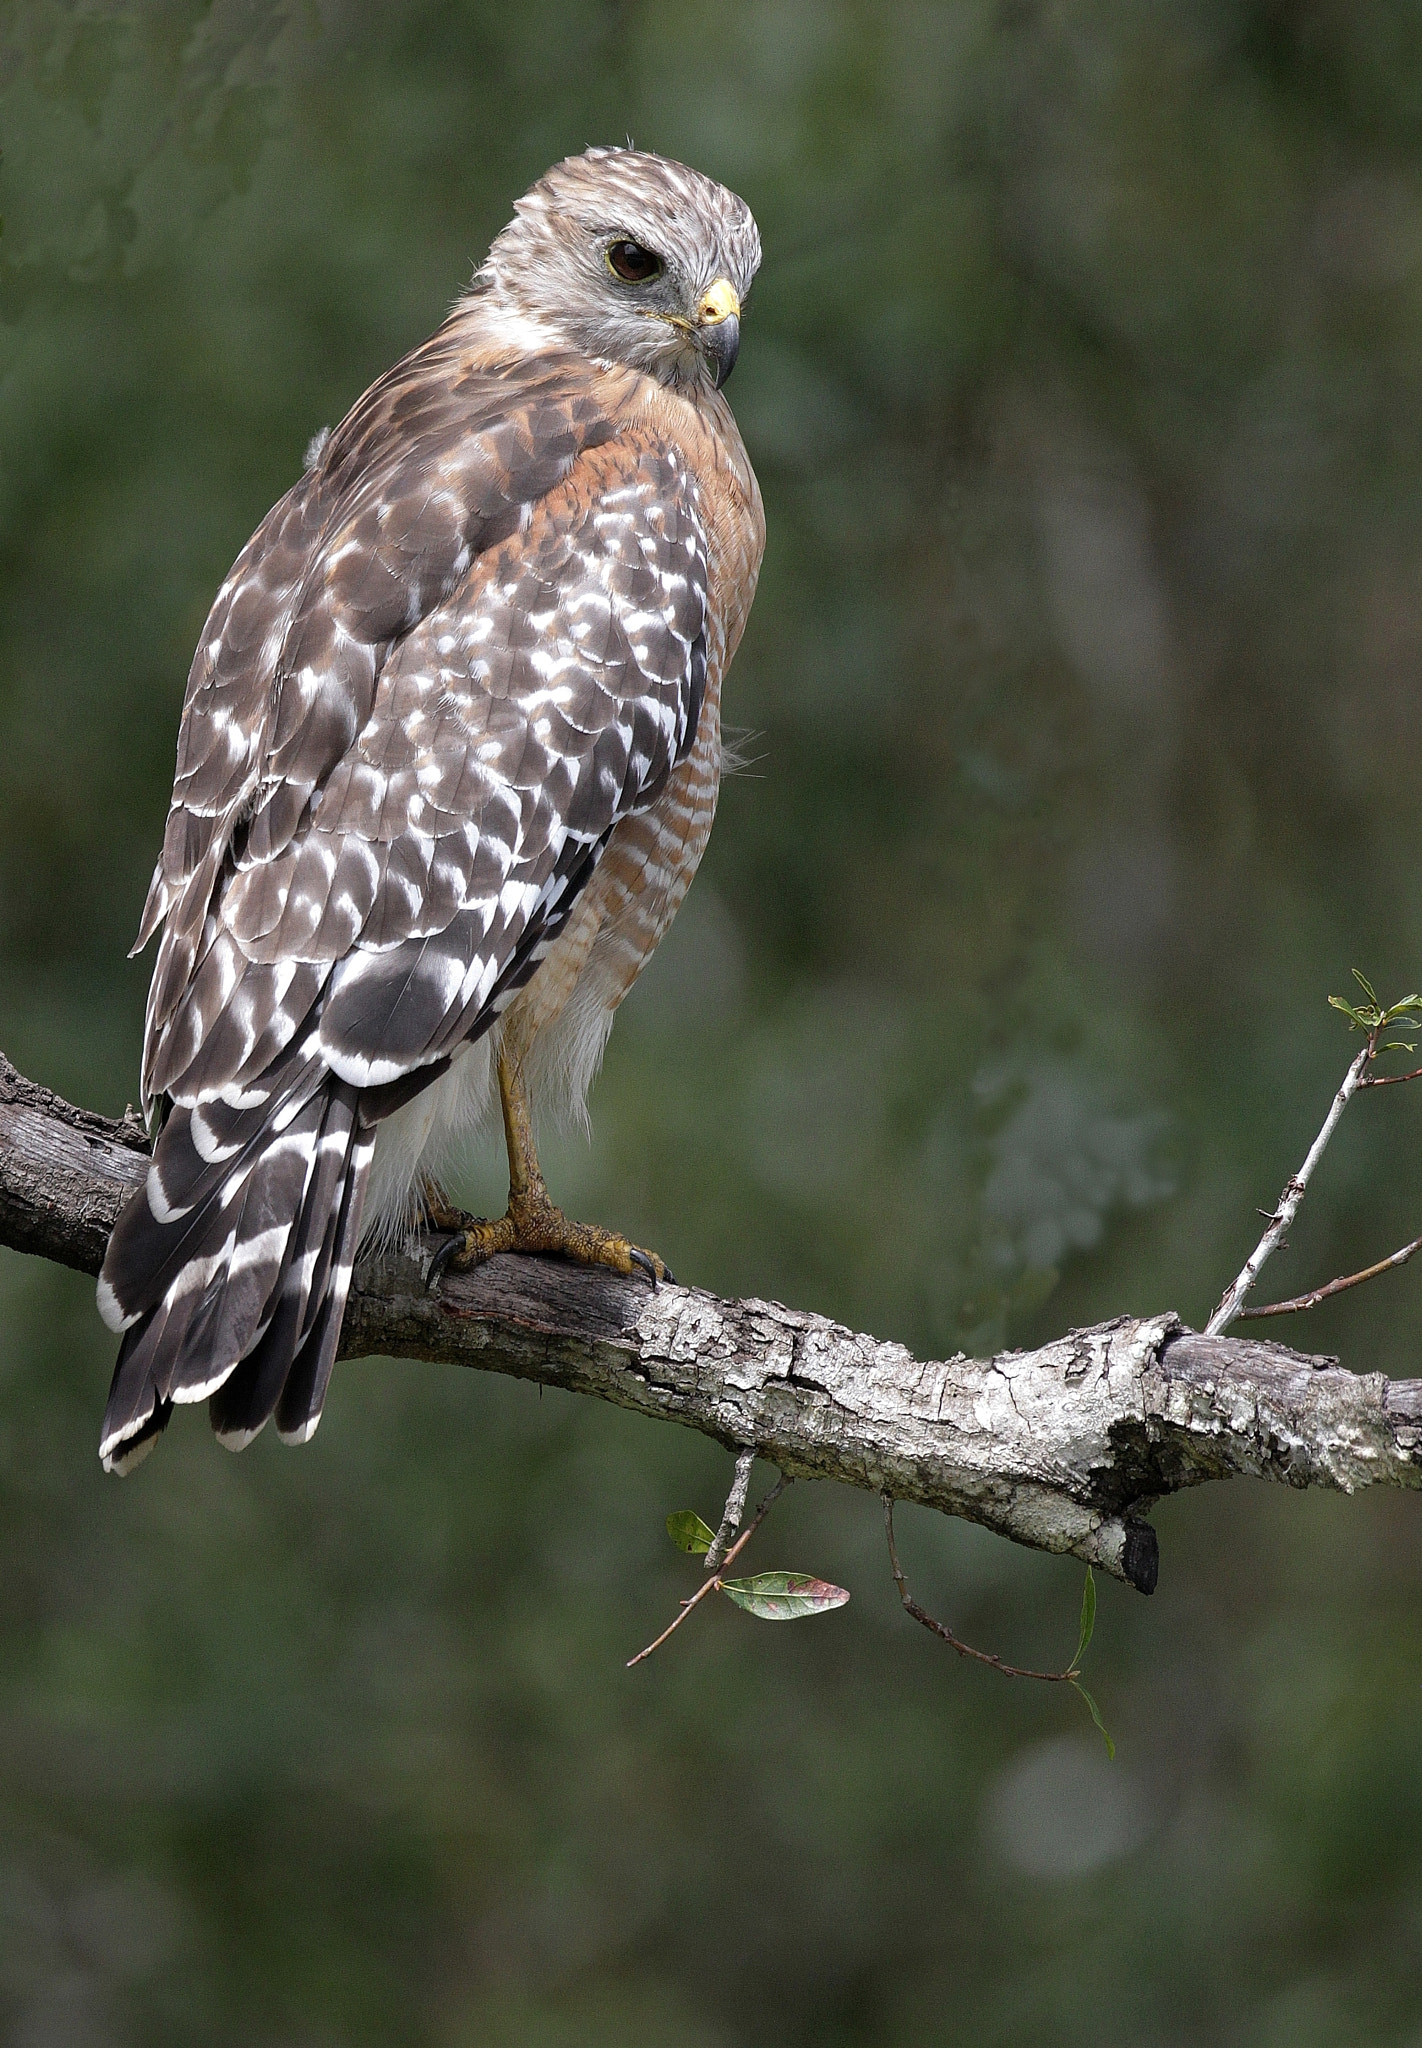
770	1596
1373	1016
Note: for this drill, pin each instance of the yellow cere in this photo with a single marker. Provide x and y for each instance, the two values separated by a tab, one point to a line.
720	303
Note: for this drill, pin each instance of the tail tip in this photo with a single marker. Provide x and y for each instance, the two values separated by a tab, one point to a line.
302	1432
128	1445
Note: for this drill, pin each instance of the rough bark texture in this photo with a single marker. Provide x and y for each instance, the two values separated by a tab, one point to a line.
1064	1448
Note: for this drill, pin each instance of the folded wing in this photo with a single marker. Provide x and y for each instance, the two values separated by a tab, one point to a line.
389	798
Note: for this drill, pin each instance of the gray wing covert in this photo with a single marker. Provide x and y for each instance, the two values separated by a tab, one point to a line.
438	462
545	695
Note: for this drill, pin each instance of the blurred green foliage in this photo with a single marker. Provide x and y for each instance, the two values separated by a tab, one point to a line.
1084	380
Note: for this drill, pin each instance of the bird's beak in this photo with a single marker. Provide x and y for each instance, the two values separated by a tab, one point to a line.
718	328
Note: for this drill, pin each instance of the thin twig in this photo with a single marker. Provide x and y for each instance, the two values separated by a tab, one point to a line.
734	1509
1389	1080
941	1628
1235	1295
713	1585
1318	1294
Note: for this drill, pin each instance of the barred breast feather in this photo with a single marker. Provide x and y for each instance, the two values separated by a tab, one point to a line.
461	650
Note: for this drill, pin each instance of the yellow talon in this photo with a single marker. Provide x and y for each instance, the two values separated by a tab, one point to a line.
531	1223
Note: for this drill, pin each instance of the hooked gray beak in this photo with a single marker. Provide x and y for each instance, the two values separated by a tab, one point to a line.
722	344
718	328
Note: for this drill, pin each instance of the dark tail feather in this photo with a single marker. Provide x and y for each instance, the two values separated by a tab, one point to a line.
134	1449
215	1294
244	1403
135	1417
203	1158
304	1395
231	1259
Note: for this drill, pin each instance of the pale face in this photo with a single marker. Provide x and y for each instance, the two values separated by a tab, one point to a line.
631	259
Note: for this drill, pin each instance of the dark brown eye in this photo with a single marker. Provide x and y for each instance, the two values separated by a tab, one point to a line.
632	263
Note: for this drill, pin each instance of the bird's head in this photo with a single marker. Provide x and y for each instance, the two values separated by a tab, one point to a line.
629	258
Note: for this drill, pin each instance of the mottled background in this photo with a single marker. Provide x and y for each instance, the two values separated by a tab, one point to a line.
1084	379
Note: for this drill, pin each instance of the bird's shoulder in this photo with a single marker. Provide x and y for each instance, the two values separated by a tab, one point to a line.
441	459
702	428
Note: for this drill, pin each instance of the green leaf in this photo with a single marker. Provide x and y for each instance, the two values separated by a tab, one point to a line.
1374	1016
1088	1616
1365	1020
1095	1713
783	1596
688	1532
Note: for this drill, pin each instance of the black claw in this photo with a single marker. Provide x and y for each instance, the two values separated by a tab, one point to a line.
644	1265
442	1258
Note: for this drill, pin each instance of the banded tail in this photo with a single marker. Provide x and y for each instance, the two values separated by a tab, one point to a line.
228	1271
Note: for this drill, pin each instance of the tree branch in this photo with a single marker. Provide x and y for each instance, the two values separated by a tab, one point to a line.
1064	1448
1238	1291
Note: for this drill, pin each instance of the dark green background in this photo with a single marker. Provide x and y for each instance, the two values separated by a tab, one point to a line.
1084	380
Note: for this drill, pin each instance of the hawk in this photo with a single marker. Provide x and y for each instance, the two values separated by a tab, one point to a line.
448	759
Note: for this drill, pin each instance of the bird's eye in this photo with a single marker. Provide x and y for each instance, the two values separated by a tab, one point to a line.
632	263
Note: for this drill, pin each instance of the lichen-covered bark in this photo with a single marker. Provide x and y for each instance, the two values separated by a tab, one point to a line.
1064	1448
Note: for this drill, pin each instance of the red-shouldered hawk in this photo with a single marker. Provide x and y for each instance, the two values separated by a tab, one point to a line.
448	760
